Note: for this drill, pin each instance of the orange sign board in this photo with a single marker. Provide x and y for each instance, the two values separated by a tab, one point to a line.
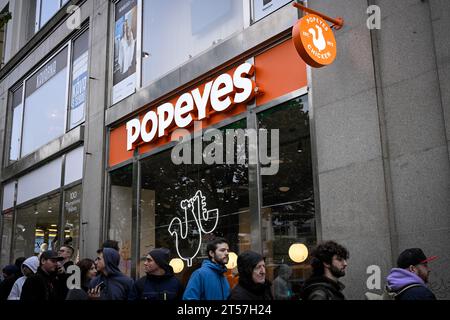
277	72
314	40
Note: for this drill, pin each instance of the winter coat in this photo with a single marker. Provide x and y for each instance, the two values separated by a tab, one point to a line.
281	286
322	288
399	279
43	286
152	287
117	285
7	284
247	289
33	264
251	292
208	283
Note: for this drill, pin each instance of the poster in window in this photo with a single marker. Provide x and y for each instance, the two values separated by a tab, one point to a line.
125	43
79	84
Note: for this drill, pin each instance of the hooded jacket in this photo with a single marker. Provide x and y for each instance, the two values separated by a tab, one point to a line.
13	273
399	279
247	289
322	288
208	283
33	264
117	285
152	287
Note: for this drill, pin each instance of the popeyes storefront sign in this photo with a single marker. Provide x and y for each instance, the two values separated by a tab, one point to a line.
269	75
218	95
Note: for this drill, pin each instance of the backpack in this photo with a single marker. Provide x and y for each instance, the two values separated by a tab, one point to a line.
389	295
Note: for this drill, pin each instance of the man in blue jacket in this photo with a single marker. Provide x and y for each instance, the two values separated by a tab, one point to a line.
159	283
209	282
408	281
111	283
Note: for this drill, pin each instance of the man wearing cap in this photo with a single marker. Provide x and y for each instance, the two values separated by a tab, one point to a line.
408	281
44	285
160	282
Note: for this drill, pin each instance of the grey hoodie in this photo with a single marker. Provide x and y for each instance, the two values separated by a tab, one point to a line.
33	264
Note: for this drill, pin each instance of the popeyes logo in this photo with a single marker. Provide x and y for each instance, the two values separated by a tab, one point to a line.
314	41
218	95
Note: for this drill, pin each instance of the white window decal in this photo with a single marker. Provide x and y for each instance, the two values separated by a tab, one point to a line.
195	217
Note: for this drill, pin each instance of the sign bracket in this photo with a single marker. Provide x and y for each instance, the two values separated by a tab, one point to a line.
337	23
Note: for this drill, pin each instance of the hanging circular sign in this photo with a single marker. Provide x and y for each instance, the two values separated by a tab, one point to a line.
314	41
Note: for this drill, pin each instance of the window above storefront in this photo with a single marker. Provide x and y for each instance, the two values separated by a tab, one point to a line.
37	120
45	10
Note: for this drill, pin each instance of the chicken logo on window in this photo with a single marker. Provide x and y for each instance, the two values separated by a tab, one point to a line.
314	40
196	221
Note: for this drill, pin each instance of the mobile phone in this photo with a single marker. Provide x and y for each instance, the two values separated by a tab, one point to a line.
101	286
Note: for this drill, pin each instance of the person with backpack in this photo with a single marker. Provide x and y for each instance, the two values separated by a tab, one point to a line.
408	281
329	261
159	283
110	283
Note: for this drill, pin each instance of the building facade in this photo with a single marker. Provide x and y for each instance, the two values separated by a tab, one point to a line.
94	94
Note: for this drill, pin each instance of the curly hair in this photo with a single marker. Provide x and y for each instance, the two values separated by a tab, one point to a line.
324	253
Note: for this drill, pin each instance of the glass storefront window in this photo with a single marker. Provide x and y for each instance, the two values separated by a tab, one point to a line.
121	197
45	10
7	217
165	186
44	117
72	211
288	211
171	37
37	228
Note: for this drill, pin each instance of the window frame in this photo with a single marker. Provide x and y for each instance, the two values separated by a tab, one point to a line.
68	90
38	14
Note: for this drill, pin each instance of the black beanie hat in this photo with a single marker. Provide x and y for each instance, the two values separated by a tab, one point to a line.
161	257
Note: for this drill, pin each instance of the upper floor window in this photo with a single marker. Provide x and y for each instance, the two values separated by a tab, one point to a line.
45	9
5	16
50	101
262	8
175	31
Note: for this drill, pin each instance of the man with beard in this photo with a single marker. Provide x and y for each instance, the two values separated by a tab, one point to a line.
408	281
209	282
329	261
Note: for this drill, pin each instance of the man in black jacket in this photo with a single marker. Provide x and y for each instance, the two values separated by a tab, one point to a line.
253	284
160	282
408	281
329	261
44	285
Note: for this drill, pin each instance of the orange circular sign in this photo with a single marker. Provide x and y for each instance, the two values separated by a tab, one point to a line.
314	41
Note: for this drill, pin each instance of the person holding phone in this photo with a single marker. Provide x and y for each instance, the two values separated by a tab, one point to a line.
110	283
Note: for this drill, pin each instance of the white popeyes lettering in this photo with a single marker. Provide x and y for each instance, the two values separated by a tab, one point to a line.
222	88
164	122
221	93
185	105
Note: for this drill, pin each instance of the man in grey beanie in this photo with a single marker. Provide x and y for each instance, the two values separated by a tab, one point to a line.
159	283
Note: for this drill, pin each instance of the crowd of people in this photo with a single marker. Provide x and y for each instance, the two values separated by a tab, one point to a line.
45	277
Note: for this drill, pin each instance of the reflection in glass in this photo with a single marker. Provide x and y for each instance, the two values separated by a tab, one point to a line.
288	211
44	118
7	217
171	37
121	196
48	9
37	228
14	152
